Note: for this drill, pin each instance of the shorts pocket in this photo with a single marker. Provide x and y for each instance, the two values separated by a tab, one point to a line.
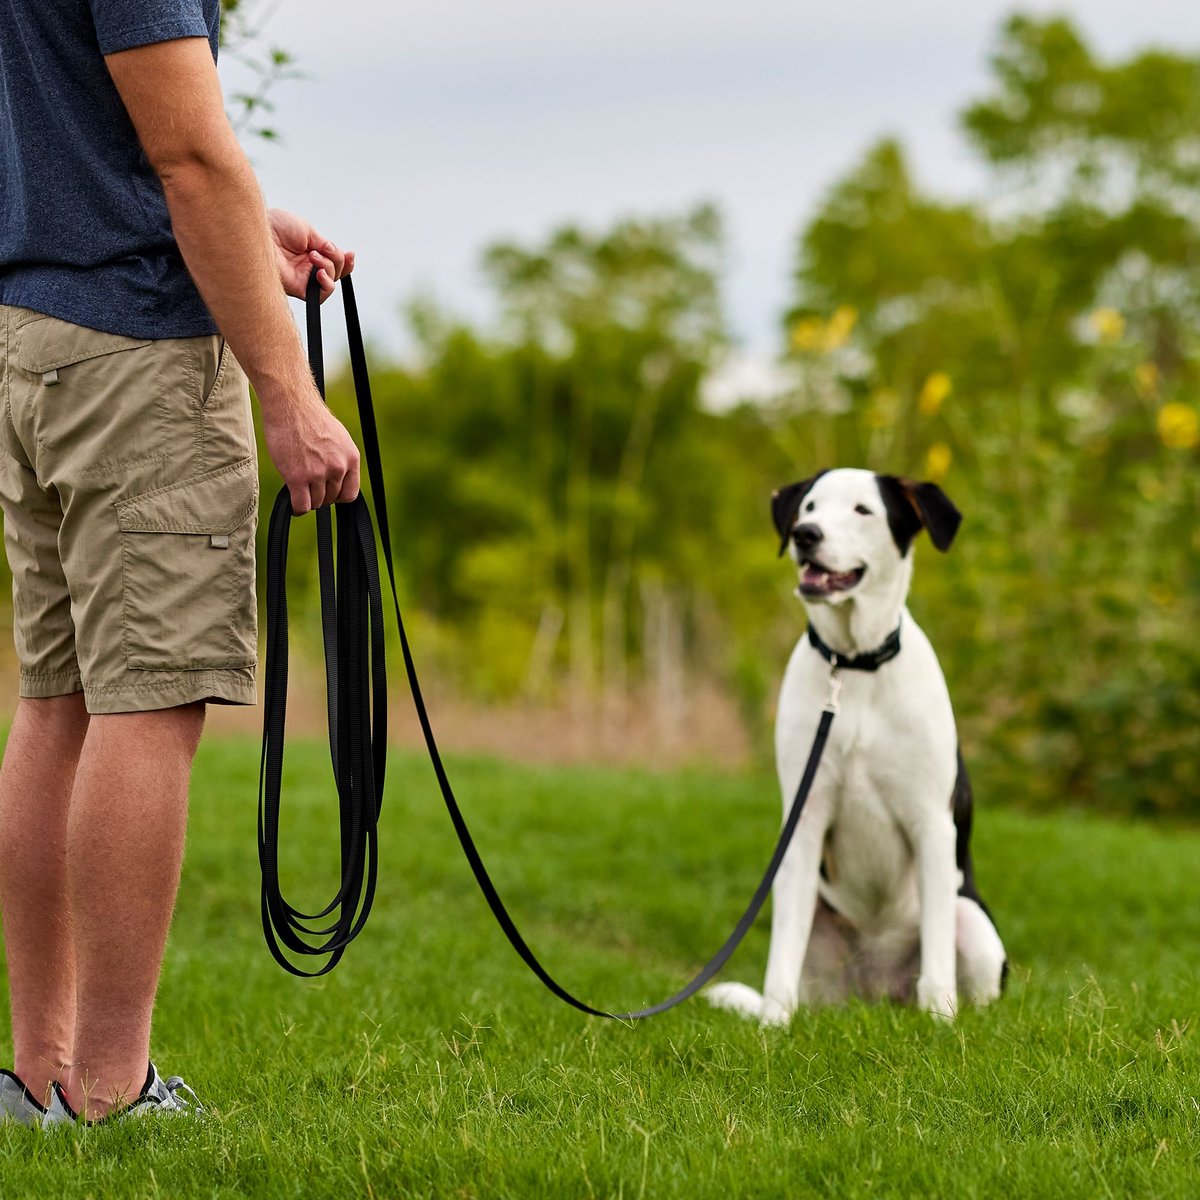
187	561
211	388
94	401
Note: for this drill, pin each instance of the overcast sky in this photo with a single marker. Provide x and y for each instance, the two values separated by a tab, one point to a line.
427	130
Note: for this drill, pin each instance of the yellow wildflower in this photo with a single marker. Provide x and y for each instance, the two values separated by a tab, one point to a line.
812	335
934	392
1178	426
1109	325
808	334
937	461
840	326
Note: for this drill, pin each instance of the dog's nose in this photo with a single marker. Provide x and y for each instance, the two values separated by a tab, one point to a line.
807	536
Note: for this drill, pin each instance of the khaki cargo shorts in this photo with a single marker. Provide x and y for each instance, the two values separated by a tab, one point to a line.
129	484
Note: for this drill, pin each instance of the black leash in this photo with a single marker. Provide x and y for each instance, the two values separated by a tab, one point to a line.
356	688
352	627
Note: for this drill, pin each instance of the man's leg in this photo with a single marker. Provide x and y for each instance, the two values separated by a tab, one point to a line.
36	780
150	613
125	837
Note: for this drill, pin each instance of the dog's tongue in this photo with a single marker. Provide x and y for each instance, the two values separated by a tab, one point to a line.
827	581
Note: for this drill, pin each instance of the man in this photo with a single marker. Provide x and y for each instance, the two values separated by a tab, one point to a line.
137	261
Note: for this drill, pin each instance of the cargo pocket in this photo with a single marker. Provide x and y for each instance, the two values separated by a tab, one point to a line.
187	560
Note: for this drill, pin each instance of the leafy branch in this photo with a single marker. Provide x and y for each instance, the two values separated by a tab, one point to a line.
242	25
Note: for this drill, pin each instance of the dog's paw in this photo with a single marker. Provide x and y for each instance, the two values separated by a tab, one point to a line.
775	1013
937	999
736	997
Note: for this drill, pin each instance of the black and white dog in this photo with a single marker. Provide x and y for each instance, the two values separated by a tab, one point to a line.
876	896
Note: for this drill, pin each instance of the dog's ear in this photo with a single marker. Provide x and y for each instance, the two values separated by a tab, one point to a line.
913	506
785	504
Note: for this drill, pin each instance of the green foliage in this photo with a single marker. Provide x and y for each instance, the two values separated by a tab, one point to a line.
242	38
432	1064
574	522
1132	123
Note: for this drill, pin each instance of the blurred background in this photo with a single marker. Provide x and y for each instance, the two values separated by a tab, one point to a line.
627	267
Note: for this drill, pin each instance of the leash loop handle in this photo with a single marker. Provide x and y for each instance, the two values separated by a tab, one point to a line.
356	688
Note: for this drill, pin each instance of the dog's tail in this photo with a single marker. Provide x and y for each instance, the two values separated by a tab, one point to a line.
737	997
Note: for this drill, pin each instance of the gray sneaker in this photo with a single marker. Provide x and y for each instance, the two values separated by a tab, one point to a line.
160	1095
17	1102
157	1096
58	1111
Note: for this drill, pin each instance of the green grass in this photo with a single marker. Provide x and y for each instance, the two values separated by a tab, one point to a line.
430	1063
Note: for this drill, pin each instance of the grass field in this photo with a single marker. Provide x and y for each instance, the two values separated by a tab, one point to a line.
431	1064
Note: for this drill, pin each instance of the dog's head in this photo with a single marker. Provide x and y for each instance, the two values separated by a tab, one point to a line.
851	531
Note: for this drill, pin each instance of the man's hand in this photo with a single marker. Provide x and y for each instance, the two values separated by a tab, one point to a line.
299	248
314	453
309	446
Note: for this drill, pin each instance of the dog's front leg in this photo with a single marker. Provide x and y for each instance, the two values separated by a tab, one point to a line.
793	905
937	883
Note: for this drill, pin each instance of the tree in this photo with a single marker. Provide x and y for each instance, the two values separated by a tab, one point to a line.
623	325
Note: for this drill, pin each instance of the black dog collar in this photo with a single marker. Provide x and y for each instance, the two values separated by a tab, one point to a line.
871	661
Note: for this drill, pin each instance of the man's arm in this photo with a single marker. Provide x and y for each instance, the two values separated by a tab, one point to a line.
173	97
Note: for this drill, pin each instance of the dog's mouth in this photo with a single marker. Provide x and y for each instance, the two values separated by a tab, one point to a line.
817	580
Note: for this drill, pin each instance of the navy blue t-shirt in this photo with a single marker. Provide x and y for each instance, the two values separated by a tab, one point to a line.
84	229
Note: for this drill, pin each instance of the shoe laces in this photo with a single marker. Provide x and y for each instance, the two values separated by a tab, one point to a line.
182	1096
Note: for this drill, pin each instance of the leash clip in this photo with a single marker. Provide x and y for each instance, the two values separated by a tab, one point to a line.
835	686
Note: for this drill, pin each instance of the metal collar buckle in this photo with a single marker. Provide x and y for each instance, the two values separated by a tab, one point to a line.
835	685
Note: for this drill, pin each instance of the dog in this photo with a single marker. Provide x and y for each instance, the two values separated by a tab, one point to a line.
876	895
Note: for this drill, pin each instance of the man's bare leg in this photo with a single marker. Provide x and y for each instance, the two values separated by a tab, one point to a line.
125	837
36	780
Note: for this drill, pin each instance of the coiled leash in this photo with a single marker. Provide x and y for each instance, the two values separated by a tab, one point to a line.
352	631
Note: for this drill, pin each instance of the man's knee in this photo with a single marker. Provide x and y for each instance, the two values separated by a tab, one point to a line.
56	715
179	726
186	722
191	723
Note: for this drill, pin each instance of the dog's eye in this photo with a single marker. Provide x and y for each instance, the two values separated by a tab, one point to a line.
862	508
810	506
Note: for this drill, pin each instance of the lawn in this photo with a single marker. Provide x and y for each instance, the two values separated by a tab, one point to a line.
430	1063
